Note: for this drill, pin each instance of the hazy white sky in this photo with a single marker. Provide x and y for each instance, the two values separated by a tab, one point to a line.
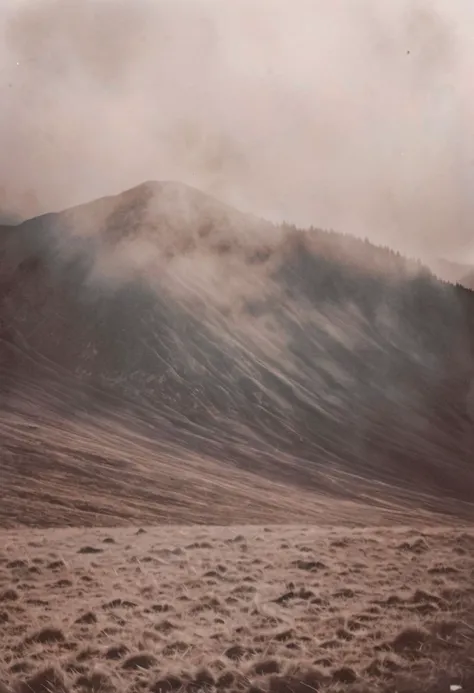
350	114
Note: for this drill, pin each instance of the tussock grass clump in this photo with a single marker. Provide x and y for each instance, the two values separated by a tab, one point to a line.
46	636
48	680
143	660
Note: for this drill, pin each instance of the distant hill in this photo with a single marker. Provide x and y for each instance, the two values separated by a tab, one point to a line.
302	355
455	272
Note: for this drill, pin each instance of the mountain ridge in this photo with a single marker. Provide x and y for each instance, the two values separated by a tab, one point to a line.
304	357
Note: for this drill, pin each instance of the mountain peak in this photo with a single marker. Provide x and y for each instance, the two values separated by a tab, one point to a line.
289	352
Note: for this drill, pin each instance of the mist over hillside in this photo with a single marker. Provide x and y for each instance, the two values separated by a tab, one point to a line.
350	115
300	355
454	272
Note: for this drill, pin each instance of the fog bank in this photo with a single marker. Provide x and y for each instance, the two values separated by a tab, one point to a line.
351	114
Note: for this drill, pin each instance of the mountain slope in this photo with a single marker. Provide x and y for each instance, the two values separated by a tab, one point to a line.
301	359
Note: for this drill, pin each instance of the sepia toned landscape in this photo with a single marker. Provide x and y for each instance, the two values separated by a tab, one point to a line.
236	347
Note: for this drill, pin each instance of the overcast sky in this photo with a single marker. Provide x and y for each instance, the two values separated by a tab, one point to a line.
352	114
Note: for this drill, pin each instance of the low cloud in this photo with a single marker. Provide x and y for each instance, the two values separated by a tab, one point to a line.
351	115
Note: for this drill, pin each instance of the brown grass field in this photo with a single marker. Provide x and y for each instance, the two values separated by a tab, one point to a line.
123	568
284	609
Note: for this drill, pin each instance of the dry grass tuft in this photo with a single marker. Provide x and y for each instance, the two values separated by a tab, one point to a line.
143	660
46	636
116	652
89	549
9	595
95	682
48	680
167	684
410	640
267	666
344	675
88	618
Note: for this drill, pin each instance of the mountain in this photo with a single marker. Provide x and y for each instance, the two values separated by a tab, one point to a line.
202	359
